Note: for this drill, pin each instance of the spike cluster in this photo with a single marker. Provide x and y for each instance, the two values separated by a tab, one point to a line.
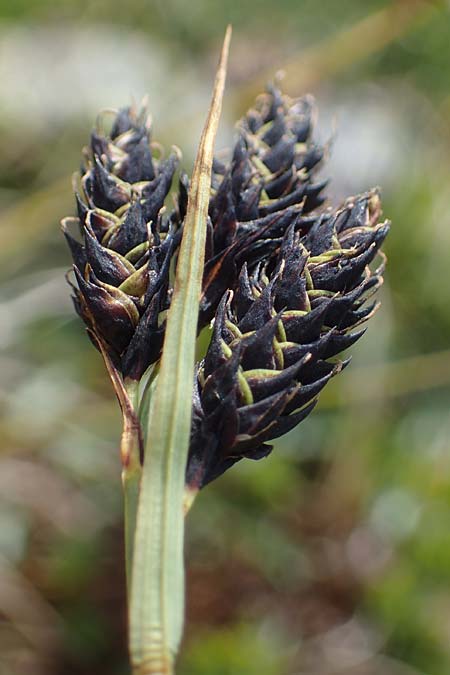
285	280
127	243
269	184
274	335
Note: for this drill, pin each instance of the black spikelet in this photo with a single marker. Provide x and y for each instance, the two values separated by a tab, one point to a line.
122	260
274	336
268	185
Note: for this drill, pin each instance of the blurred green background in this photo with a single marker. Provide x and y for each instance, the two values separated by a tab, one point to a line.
333	556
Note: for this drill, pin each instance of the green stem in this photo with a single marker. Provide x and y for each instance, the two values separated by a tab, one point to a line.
131	480
130	449
157	588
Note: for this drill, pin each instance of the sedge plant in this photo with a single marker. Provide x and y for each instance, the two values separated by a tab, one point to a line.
248	248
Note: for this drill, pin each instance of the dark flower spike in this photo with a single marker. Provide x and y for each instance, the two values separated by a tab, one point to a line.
122	260
272	338
267	185
276	152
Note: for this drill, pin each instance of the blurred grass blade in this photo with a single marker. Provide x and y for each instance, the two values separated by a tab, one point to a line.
157	593
346	47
